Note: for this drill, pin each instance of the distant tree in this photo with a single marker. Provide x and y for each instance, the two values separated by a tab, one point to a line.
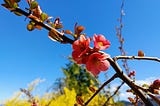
76	77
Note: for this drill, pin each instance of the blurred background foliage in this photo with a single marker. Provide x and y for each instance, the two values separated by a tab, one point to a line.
74	89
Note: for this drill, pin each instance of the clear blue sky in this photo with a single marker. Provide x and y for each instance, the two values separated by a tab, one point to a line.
25	56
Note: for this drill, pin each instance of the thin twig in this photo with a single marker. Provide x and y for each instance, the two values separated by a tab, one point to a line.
102	86
120	37
136	58
115	92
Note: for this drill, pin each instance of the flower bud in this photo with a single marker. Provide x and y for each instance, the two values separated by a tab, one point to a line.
156	91
79	100
92	89
132	73
131	100
140	53
30	27
68	32
80	29
156	84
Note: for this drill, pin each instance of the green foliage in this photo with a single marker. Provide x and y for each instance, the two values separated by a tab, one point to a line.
77	83
44	17
78	78
34	4
52	99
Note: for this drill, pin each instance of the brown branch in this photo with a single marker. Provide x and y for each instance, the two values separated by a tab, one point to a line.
47	27
157	100
120	37
129	82
115	92
102	86
136	58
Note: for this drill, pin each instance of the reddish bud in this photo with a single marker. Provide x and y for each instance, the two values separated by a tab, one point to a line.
132	73
67	32
80	29
131	100
156	84
140	53
156	91
79	100
38	27
57	23
128	90
34	104
92	89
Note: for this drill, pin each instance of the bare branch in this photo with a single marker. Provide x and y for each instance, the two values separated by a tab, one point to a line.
115	92
120	37
102	86
136	58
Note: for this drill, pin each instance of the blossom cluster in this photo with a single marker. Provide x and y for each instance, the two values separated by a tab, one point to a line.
93	58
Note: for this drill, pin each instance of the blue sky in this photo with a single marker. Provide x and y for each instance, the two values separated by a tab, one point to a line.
25	56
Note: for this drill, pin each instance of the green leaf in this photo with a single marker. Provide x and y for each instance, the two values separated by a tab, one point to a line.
44	17
7	1
15	5
30	27
17	13
32	23
59	26
34	4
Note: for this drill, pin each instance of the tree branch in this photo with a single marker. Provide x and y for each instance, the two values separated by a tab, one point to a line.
102	86
115	92
136	58
129	82
47	27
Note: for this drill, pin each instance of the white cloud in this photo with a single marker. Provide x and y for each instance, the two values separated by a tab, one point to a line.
125	95
146	81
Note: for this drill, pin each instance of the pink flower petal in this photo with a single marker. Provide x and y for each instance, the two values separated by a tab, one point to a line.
100	42
80	50
97	62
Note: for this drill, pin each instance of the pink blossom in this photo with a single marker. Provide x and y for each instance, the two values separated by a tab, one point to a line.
100	42
97	62
81	49
80	57
81	44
